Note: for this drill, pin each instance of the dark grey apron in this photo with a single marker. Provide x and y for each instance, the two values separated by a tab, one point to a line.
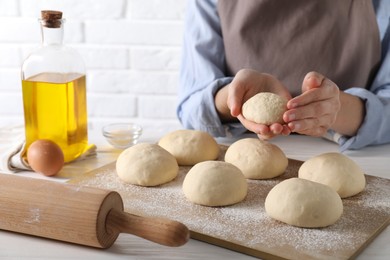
289	38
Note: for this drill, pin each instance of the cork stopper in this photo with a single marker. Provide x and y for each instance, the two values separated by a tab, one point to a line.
51	19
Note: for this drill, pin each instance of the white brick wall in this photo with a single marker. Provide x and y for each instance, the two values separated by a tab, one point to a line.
131	49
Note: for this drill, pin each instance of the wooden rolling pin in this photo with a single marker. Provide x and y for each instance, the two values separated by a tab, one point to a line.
80	215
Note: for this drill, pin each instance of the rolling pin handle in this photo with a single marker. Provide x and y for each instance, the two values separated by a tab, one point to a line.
159	230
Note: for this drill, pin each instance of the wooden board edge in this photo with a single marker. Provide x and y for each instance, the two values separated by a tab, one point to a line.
234	247
375	234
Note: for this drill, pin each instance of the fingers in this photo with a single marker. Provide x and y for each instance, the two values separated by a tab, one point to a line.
315	110
275	130
264	132
286	130
327	90
254	127
316	126
234	101
312	80
237	90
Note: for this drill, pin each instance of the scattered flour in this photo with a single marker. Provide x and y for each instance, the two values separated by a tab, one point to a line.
34	217
247	223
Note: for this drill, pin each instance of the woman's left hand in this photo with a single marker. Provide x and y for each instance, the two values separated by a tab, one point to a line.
315	110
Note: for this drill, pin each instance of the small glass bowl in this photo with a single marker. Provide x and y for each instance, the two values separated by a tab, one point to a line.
122	135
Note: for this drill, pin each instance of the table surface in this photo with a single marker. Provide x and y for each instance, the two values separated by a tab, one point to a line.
373	160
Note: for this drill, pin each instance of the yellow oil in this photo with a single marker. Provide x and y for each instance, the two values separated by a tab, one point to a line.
55	108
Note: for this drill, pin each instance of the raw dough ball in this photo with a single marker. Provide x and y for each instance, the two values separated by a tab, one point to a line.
215	183
257	159
304	203
335	170
146	165
265	108
190	147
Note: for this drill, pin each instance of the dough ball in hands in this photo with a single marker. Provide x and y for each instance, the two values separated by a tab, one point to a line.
335	170
215	183
265	108
190	147
257	159
146	165
304	203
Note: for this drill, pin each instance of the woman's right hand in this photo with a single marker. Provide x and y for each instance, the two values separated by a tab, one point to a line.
245	85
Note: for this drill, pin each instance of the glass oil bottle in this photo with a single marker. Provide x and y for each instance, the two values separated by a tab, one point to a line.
54	91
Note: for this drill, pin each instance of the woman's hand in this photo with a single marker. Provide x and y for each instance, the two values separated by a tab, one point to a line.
315	110
245	85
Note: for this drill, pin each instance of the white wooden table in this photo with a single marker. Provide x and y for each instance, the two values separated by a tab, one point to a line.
374	161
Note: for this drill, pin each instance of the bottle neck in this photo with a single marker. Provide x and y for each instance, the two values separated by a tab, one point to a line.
52	35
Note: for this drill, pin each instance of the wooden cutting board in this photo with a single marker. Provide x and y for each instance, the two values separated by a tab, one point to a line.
246	228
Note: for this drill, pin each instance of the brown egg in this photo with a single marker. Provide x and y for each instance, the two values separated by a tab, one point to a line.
46	157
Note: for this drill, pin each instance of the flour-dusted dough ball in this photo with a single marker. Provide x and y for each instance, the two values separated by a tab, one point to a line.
215	183
303	203
265	108
335	170
257	159
190	147
146	165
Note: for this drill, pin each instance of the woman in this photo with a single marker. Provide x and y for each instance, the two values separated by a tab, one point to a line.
329	58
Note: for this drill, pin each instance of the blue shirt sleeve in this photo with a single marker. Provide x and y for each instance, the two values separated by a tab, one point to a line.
375	128
202	71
